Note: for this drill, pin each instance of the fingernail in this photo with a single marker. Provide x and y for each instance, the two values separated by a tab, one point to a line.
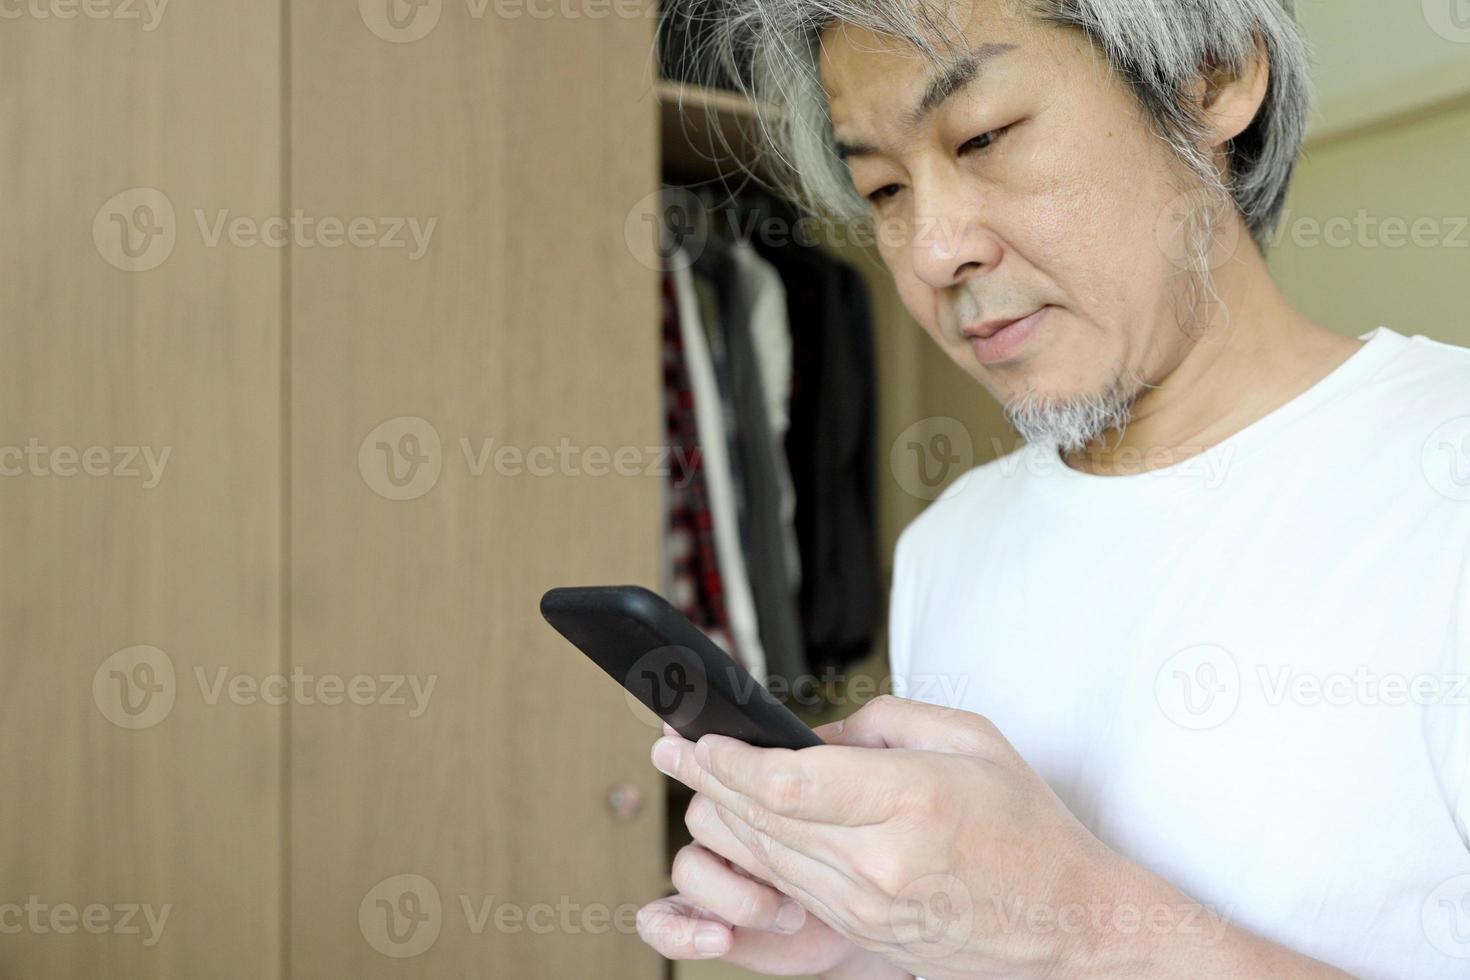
709	940
789	916
665	756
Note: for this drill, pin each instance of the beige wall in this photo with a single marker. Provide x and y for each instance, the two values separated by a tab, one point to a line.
1369	271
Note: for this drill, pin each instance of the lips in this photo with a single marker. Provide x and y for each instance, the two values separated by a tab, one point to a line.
994	341
989	328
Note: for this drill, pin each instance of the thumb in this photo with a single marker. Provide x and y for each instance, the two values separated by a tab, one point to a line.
899	723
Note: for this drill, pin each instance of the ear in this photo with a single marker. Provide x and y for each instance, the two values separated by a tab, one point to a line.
1228	101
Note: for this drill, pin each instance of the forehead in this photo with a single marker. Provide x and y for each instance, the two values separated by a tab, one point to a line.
860	64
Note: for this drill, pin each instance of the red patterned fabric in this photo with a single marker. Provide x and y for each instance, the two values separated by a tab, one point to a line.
696	588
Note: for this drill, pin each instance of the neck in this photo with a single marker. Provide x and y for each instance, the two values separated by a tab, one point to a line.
1241	366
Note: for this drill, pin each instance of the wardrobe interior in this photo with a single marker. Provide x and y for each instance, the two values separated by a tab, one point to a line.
868	418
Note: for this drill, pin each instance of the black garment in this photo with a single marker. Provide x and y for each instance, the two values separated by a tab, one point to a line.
831	450
753	452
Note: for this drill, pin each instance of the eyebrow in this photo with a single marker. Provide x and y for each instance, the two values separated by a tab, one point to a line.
959	75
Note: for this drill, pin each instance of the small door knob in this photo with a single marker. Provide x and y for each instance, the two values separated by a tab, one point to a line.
625	800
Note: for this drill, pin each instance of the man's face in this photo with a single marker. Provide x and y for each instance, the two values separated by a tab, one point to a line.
1035	186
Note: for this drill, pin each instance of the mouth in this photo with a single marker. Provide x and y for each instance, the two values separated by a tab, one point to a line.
994	341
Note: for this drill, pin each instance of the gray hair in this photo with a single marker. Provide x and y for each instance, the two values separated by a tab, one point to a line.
769	49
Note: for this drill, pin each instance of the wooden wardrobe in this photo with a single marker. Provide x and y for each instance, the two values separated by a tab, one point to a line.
151	173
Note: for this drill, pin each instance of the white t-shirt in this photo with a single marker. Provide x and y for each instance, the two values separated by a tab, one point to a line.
1247	671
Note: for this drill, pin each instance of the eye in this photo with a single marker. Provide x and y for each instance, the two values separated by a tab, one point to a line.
983	141
883	193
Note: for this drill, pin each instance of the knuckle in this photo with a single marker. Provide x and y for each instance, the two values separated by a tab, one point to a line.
785	791
699	814
881	703
750	909
651	921
870	918
927	805
883	871
684	872
984	727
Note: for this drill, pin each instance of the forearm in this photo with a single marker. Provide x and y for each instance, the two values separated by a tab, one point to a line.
863	965
1174	937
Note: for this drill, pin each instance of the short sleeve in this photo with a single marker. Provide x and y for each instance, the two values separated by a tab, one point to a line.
900	617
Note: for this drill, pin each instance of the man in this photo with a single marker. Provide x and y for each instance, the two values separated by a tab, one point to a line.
1208	632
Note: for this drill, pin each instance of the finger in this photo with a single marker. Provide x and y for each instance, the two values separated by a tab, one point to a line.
704	879
834	785
709	831
798	875
669	730
672	927
899	723
710	826
837	733
666	924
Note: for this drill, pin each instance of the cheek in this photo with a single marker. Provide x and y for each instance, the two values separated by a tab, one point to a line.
1087	220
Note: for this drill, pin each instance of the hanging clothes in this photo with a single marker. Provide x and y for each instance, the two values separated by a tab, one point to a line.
755	455
771	333
831	448
710	423
692	580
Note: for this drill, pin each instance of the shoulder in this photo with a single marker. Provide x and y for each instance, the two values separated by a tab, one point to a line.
972	499
1412	414
1423	376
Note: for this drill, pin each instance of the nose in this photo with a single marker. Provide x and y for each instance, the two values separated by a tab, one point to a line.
950	239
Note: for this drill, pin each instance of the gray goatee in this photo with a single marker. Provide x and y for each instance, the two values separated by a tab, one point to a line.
1070	424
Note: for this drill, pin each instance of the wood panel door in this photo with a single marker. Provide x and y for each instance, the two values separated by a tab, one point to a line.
489	382
128	793
283	284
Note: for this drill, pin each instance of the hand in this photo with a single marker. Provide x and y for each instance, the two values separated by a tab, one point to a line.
724	910
917	836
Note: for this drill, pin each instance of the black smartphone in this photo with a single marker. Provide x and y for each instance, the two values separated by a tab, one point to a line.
670	665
